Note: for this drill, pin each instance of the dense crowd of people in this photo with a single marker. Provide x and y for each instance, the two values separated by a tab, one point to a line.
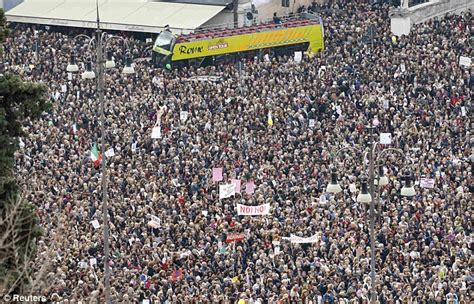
410	86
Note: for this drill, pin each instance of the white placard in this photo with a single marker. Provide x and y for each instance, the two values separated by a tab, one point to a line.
204	212
427	183
321	71
465	61
82	264
463	111
298	56
154	221
110	152
302	240
226	191
156	132
155	218
93	261
183	116
385	138
352	188
312	123
95	224
277	250
402	68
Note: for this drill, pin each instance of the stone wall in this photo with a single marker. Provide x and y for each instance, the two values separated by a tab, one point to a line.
437	8
402	19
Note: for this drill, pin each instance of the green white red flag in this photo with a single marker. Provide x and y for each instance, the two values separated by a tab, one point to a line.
96	157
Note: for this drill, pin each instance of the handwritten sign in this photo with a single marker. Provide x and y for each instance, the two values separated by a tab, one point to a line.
465	61
110	152
95	224
226	191
427	183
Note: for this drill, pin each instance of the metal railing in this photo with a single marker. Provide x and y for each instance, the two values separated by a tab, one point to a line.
283	19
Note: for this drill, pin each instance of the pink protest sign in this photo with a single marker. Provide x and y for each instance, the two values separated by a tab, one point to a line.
237	183
249	187
217	174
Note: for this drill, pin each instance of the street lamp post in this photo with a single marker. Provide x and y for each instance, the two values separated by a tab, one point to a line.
368	193
101	40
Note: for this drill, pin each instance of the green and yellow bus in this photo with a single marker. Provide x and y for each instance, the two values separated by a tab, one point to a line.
303	32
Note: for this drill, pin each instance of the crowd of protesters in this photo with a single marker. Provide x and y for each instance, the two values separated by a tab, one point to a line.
412	87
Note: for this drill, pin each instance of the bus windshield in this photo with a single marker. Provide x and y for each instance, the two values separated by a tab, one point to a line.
164	39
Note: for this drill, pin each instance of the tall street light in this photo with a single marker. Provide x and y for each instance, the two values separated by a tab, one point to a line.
367	194
100	42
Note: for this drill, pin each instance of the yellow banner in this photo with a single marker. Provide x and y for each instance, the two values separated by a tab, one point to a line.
253	41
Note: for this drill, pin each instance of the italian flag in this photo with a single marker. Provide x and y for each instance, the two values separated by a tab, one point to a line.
95	155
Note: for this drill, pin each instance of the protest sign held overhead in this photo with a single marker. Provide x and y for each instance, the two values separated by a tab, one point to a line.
217	174
249	187
110	152
183	116
237	183
162	197
465	61
427	183
298	56
95	224
226	191
234	237
156	132
253	210
303	240
385	138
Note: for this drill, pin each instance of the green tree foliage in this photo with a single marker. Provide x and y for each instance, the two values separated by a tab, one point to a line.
18	221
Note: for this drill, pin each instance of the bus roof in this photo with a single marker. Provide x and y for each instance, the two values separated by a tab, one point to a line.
224	30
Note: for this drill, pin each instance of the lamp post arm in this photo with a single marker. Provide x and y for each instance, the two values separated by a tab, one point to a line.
107	39
391	151
90	40
344	149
